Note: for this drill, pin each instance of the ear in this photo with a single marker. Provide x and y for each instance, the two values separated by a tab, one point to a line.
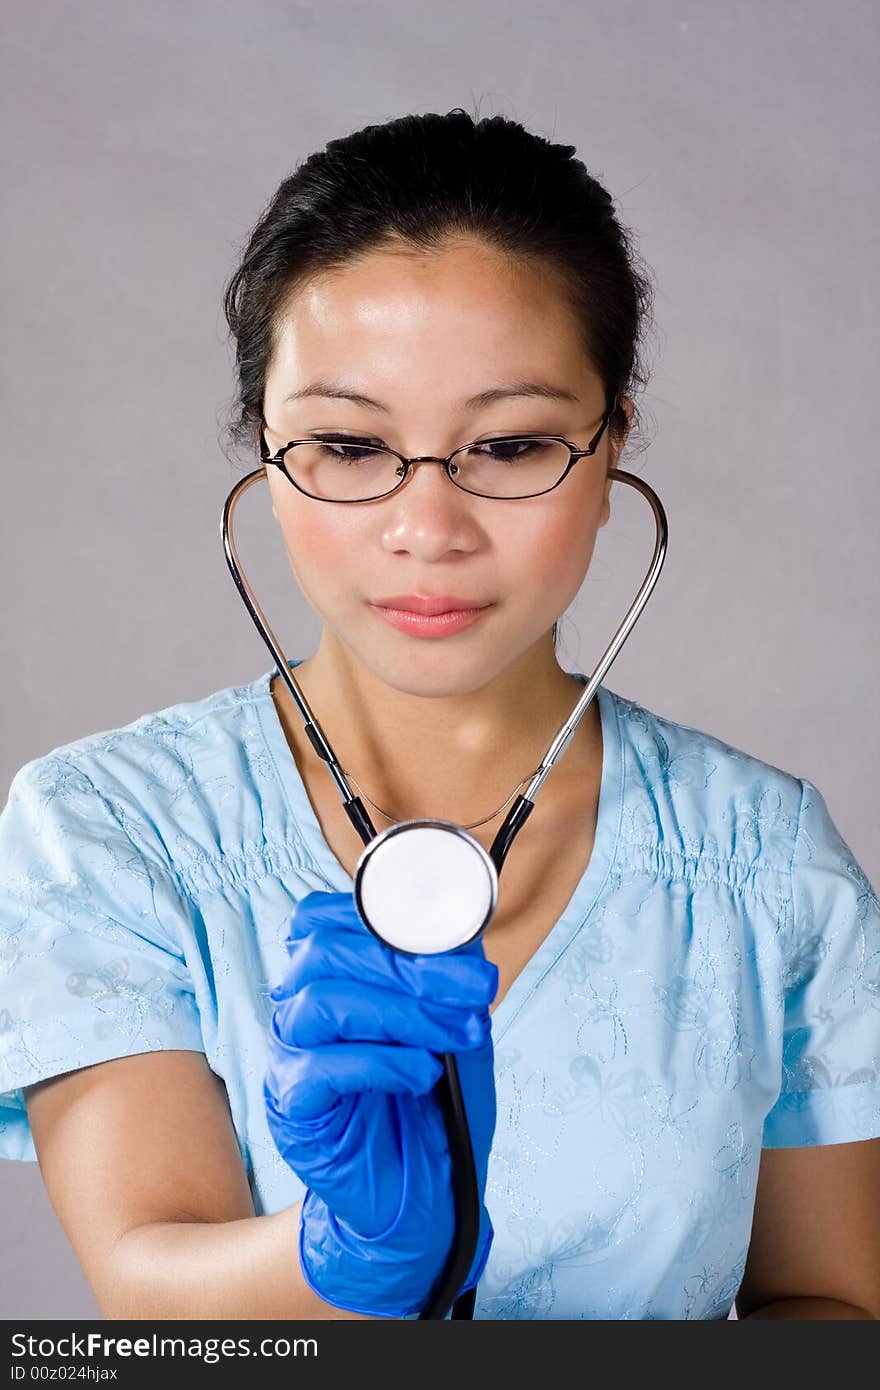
629	410
271	485
616	451
605	514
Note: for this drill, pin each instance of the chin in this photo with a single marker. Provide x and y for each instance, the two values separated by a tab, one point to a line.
435	677
431	673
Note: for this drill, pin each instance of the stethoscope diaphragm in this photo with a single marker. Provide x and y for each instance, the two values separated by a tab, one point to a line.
425	886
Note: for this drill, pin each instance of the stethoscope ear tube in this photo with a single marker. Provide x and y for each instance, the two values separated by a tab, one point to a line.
433	872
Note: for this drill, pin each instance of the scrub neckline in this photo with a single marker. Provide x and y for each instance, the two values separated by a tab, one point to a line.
582	900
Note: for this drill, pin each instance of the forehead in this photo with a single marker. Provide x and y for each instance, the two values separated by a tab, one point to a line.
466	310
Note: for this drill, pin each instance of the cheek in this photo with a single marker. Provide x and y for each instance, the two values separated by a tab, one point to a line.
323	551
554	550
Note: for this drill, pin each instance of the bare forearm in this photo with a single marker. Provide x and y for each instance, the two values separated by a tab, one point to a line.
810	1308
229	1269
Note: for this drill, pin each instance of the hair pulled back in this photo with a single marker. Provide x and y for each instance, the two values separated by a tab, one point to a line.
419	179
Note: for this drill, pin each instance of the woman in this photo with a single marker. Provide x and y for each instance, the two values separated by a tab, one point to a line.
225	1078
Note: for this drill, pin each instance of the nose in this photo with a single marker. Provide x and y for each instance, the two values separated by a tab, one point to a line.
425	458
428	515
438	477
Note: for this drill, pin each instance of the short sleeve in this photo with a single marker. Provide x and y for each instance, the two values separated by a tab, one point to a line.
92	940
830	1091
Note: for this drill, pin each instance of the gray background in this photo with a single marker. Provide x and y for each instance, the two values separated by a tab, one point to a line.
141	144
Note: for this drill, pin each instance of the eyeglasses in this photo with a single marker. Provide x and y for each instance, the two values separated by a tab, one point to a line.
507	466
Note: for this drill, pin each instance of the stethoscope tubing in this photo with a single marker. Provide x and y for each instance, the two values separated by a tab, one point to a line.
466	1197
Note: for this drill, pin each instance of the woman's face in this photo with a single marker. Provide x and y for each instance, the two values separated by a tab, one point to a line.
420	334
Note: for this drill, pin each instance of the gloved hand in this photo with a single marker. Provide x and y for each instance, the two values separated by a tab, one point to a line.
349	1104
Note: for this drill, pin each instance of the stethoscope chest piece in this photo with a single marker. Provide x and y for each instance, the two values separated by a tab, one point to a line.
425	886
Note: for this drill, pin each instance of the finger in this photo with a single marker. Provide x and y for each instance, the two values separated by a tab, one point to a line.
318	907
326	1011
306	1083
338	911
334	950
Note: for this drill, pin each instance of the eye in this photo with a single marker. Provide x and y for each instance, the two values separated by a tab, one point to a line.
336	437
347	448
511	450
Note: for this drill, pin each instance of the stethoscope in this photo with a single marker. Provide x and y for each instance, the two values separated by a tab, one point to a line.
426	886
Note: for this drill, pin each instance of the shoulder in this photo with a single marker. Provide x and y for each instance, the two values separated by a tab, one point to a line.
692	799
158	783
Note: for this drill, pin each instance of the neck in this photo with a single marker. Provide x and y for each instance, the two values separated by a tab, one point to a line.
453	756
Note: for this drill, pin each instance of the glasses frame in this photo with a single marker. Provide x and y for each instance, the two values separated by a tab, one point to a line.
574	455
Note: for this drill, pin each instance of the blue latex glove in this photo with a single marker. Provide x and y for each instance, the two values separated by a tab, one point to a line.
353	1039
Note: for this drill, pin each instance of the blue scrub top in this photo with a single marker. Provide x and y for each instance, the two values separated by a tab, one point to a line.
712	988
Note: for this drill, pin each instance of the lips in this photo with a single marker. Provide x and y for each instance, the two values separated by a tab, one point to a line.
428	607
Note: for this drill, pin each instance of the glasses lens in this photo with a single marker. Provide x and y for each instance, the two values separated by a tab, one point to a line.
511	467
338	472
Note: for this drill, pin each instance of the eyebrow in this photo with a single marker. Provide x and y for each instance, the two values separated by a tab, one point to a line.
333	391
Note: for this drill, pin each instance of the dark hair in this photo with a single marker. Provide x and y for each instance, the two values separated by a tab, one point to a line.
419	179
